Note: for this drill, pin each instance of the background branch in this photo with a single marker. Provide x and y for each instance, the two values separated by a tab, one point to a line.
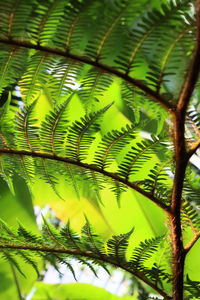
135	82
88	255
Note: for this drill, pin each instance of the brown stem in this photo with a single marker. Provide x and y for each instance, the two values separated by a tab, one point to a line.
138	83
88	255
176	231
91	167
181	160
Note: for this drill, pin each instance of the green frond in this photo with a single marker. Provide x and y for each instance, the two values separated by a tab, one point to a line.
93	86
95	47
91	240
117	246
26	129
12	65
134	99
25	168
36	76
70	31
145	33
58	246
158	182
44	168
191	190
72	176
89	265
81	134
53	130
28	259
112	144
27	235
50	14
96	182
5	172
140	154
64	75
144	252
15	19
8	257
192	287
117	188
190	216
70	237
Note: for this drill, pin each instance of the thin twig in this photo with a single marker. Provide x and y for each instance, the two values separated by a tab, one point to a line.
88	255
113	176
191	243
136	82
194	148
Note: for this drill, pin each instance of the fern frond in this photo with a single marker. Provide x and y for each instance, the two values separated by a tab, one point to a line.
93	85
70	30
8	257
6	173
25	168
12	65
72	238
117	188
144	33
59	246
190	216
134	99
96	183
133	160
143	252
28	259
117	246
64	76
192	287
73	177
156	183
95	47
54	128
91	240
80	134
112	144
43	167
26	130
50	14
36	76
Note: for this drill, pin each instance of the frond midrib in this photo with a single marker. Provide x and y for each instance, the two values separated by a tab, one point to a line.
105	68
91	167
90	255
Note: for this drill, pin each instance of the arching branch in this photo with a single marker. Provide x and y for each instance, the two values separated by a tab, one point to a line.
135	82
91	167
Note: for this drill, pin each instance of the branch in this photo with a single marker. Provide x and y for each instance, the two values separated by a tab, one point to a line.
193	72
113	176
88	255
192	242
181	159
138	83
194	148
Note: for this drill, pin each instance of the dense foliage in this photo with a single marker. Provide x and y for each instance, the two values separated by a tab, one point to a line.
99	108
